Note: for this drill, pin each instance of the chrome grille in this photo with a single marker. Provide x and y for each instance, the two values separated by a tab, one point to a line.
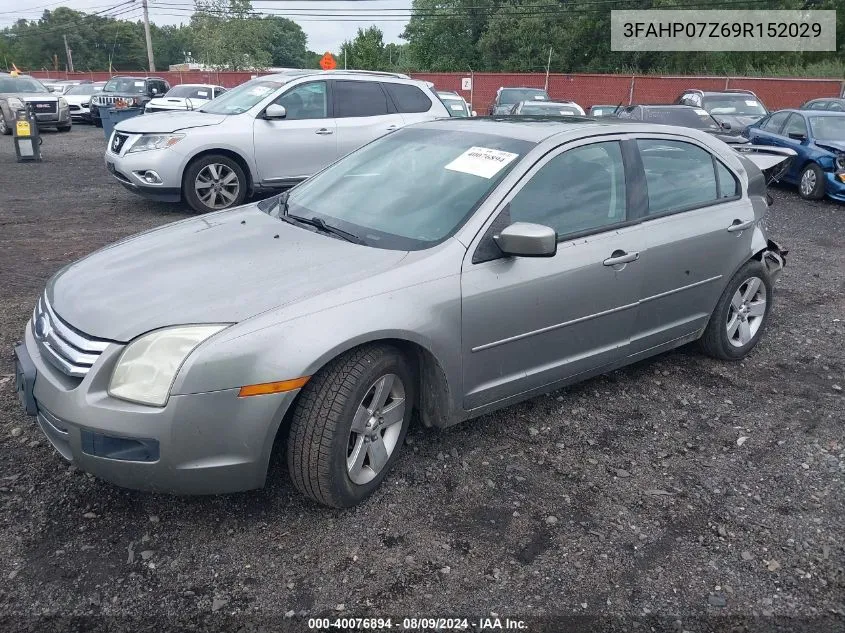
43	107
106	100
116	142
71	352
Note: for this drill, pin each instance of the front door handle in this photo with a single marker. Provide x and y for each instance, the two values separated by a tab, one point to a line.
740	226
324	131
621	257
390	128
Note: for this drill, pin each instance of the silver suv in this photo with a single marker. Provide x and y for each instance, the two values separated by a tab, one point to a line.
270	132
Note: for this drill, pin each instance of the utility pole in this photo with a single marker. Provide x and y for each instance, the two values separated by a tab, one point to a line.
149	39
69	56
549	63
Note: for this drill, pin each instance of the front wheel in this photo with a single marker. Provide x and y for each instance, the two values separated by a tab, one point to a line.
214	182
65	128
5	130
98	122
811	184
741	315
349	423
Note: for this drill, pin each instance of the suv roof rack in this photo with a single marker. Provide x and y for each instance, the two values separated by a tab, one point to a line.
377	73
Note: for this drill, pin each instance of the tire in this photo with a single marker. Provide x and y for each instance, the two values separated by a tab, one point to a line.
741	315
811	182
98	122
323	443
65	128
5	130
204	169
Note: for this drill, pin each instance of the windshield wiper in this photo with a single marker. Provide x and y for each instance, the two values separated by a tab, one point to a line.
319	224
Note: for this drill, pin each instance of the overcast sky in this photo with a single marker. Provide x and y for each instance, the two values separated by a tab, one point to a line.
325	32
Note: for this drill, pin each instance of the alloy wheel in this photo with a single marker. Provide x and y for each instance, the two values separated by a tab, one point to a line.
217	186
747	309
808	182
376	428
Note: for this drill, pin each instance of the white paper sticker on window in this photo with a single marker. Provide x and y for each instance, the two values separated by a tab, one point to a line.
481	161
539	97
751	102
259	91
457	107
139	84
202	93
701	112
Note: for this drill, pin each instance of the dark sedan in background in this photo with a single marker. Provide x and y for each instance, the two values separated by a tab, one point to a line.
818	138
547	108
681	115
735	109
507	98
832	104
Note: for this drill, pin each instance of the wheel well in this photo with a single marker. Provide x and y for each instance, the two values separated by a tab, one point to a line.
229	154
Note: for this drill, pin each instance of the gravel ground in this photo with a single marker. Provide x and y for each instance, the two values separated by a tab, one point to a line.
680	493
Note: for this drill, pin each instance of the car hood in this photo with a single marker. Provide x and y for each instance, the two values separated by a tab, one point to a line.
78	99
738	123
166	122
831	146
502	109
219	268
37	97
175	102
730	139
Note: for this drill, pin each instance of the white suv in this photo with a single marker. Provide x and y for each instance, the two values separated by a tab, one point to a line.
270	132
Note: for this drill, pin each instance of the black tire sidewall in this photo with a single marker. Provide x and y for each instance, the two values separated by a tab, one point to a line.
190	195
818	192
347	492
720	315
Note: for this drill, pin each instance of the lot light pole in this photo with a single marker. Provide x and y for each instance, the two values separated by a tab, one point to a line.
150	59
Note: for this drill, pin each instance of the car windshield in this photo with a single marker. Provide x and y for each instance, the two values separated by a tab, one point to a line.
83	89
515	95
734	105
21	85
410	189
828	128
190	92
548	109
602	110
454	104
242	98
125	85
685	117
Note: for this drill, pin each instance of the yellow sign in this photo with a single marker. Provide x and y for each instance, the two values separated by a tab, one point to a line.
23	128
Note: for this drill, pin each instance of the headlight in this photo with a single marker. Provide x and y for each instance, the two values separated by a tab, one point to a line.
840	161
15	103
155	141
147	367
62	102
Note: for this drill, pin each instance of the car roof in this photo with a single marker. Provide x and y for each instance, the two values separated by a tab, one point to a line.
813	112
293	73
538	129
710	93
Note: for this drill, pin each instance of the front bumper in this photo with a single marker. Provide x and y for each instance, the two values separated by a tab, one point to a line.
167	163
53	119
204	443
834	185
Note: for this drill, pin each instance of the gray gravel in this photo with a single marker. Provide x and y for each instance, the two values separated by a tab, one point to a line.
632	497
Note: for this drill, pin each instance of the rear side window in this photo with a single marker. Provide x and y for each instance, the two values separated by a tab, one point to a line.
408	98
775	122
678	175
359	98
728	184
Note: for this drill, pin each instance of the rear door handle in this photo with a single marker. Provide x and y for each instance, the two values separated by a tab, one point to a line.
621	257
324	131
740	226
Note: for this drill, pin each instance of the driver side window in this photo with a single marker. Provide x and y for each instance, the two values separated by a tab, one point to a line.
795	125
306	101
579	190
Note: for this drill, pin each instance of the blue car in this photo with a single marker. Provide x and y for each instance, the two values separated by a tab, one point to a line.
818	137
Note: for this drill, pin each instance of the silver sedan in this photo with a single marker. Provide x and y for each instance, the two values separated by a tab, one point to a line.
449	269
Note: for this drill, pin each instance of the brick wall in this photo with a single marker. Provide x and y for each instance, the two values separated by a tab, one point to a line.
584	89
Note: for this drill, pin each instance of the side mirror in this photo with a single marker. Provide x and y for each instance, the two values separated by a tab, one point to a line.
797	136
275	111
725	125
524	239
474	113
154	91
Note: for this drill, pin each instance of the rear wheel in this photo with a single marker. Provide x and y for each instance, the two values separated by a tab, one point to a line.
811	183
741	315
4	128
349	423
214	182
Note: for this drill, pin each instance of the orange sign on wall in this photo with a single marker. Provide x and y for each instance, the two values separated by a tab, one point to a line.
327	62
